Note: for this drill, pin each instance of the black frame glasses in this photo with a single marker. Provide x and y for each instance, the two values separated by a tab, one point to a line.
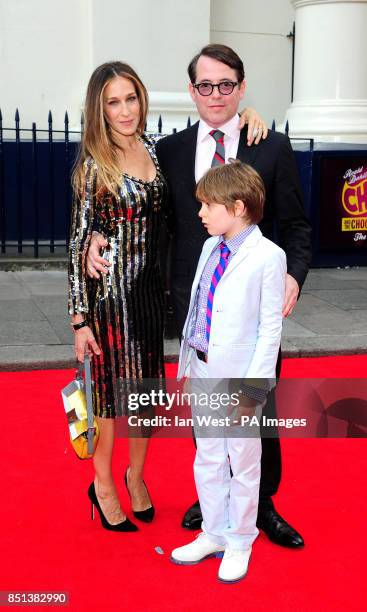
206	88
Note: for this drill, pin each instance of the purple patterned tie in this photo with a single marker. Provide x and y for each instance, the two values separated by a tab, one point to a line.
219	155
217	275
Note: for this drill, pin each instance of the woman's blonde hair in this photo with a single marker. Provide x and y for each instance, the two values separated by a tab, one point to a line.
97	141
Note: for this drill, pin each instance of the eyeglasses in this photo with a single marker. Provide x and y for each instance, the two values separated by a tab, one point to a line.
224	87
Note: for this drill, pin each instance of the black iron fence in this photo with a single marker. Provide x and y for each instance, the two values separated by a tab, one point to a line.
35	189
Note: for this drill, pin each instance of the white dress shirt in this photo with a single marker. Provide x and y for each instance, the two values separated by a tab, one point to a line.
205	144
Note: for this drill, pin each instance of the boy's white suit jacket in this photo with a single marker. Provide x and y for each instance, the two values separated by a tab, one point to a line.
247	311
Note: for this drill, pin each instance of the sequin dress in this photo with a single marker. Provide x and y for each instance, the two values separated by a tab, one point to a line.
124	308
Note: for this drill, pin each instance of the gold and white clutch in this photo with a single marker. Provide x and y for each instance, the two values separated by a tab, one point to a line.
77	398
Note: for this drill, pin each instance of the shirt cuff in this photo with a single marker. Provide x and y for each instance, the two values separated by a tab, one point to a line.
254	393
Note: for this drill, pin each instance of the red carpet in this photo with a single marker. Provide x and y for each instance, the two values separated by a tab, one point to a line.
49	542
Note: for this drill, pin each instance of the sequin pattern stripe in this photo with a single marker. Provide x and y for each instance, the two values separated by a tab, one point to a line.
80	232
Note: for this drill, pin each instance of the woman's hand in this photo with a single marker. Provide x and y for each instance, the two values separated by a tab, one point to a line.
85	343
257	128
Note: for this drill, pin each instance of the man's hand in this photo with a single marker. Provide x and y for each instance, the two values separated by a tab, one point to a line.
246	408
94	260
291	295
257	128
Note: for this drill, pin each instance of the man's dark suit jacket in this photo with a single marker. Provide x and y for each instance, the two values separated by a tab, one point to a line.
284	218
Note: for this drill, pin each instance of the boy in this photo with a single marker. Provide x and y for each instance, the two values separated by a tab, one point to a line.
232	331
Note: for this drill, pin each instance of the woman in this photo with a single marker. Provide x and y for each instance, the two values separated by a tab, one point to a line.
119	191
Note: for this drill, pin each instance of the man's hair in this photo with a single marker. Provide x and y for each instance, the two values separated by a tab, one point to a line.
221	53
230	182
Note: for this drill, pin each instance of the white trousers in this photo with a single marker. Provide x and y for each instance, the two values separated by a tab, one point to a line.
229	505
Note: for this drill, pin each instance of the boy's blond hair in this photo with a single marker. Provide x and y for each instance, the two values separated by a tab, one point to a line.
230	182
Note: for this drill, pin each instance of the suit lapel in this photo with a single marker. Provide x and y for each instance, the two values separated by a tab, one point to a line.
244	250
188	154
189	139
247	154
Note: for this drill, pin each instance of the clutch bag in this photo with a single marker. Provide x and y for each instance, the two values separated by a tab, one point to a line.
77	399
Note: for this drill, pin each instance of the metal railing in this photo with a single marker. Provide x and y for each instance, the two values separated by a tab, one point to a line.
35	189
21	175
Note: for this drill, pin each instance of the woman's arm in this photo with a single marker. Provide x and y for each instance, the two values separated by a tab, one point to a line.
80	232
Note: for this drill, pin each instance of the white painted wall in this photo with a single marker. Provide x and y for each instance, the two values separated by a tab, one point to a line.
157	37
257	30
44	59
48	49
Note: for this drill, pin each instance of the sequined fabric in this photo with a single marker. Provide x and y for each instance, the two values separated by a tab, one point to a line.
125	308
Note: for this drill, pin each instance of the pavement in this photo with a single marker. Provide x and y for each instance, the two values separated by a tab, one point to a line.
329	319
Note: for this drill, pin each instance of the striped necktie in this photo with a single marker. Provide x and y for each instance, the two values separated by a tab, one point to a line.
219	155
217	275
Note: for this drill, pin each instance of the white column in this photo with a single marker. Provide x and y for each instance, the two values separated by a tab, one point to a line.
330	75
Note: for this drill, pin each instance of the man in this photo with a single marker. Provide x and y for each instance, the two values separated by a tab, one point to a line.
184	157
217	86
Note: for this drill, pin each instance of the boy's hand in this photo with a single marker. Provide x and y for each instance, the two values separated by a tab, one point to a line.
94	260
186	388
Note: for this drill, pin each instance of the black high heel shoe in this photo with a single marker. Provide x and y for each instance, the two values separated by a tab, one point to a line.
125	525
142	515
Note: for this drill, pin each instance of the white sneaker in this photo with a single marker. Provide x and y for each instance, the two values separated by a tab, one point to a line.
234	565
198	550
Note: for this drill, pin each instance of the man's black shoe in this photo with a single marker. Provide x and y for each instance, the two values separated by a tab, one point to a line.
278	530
192	518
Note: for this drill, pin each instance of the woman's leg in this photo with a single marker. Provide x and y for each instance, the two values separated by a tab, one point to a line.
139	495
103	482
